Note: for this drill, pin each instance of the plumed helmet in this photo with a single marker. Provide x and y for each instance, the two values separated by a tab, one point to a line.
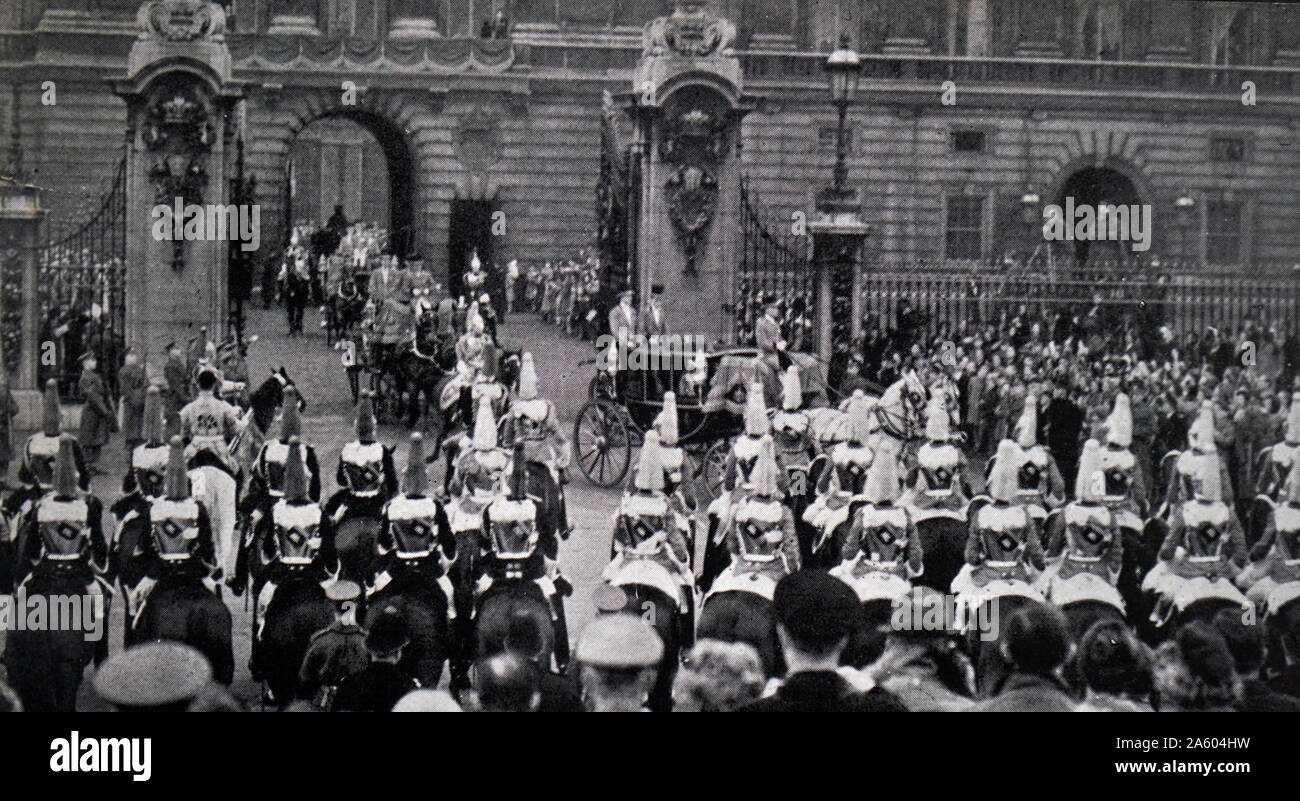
791	389
1200	435
756	421
1119	425
152	426
667	420
1088	486
414	479
763	477
936	422
65	468
290	422
295	472
527	378
485	427
1206	484
491	361
859	413
52	413
650	466
1027	427
365	424
1293	420
1003	481
176	483
882	482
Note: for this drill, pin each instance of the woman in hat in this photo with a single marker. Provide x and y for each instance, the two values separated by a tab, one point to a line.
97	417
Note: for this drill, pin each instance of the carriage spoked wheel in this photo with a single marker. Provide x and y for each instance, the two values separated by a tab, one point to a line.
602	443
387	399
713	469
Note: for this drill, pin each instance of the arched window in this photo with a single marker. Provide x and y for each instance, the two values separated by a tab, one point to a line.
1099	30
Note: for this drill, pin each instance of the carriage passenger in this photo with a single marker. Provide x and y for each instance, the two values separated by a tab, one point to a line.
1277	466
535	420
882	537
1276	557
1125	486
1089	540
1003	542
366	475
936	483
415	530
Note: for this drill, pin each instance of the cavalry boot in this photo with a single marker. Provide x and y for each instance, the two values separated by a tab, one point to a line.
561	635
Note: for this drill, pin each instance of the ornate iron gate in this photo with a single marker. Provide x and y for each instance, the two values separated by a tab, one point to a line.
615	205
775	262
82	293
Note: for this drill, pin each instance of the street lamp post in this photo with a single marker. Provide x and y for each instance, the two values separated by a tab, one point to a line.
844	68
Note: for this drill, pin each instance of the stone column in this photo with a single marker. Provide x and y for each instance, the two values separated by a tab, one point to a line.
838	237
20	222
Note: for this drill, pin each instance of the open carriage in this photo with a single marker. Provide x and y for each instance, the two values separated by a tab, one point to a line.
711	388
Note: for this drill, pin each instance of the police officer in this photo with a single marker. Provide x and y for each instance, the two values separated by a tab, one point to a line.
618	656
336	651
381	684
153	677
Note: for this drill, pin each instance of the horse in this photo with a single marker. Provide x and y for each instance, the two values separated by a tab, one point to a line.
646	585
733	614
505	599
423	605
46	665
180	607
298	610
943	547
452	415
354	540
900	413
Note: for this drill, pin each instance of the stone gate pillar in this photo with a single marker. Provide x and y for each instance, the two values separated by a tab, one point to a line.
180	149
687	103
20	222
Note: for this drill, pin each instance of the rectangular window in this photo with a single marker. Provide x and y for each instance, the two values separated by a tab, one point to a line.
1222	232
968	141
964	232
1227	148
826	138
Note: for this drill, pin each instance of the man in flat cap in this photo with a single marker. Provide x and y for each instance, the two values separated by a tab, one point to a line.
382	683
618	656
153	677
337	651
816	614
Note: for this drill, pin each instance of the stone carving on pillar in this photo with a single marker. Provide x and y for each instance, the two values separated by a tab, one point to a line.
689	31
182	20
694	139
178	131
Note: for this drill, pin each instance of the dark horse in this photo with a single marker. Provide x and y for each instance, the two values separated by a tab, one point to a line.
662	613
267	399
354	540
423	605
454	417
298	610
506	599
46	666
943	546
181	608
738	616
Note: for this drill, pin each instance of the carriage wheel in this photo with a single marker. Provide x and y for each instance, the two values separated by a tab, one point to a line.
387	399
713	469
602	444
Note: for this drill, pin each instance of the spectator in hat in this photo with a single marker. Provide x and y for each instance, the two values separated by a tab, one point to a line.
177	377
622	318
925	669
816	614
1246	643
504	683
97	417
1194	672
1114	669
718	677
1035	643
653	321
379	686
157	676
132	384
618	656
337	651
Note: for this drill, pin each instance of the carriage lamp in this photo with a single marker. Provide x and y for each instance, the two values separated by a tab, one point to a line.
844	68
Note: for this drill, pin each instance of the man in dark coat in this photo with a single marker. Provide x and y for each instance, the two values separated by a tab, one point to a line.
132	383
1246	644
177	376
382	683
1062	426
336	652
815	615
97	418
1034	645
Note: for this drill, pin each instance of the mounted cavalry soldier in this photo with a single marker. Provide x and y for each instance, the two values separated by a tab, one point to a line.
266	486
847	473
366	475
416	534
646	528
36	472
1204	550
477	476
935	484
882	552
1040	486
1276	557
1003	543
1089	542
1276	461
672	458
534	420
1202	449
208	426
1124	490
145	480
761	538
473	353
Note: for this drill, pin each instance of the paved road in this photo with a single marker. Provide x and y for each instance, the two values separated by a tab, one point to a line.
327	425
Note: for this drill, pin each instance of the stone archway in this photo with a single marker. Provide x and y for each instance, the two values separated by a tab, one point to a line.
1096	186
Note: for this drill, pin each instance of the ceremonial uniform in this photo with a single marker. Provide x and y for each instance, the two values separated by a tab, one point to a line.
208	424
847	472
1003	543
762	537
791	431
534	420
1041	488
366	475
1202	450
1274	576
381	684
882	551
477	475
336	652
415	534
1276	466
935	484
1087	547
1124	489
63	531
267	480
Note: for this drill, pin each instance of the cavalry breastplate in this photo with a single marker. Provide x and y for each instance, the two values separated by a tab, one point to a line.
529	419
174	526
1087	531
641	517
672	459
1032	476
1206	529
884	534
41	451
363	467
1003	530
514	529
149	467
745	451
759	530
483	473
63	527
851	467
297	531
414	527
206	421
938	467
1117	469
274	454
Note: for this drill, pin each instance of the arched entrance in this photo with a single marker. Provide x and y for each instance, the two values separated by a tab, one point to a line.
1097	186
357	159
